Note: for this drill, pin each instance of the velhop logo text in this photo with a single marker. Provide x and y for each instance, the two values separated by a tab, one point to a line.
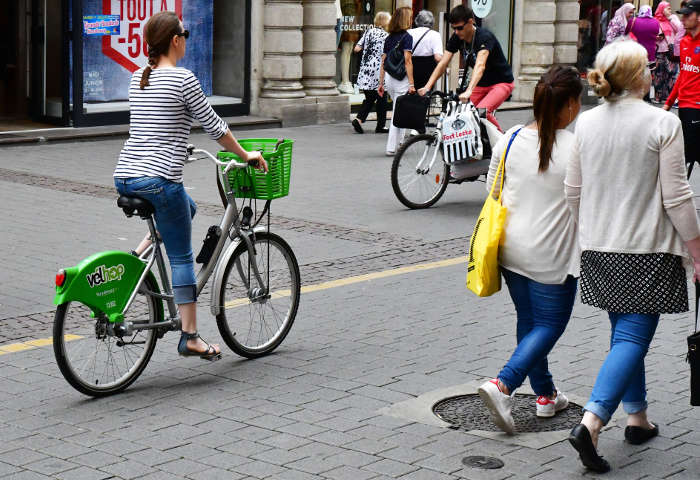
104	274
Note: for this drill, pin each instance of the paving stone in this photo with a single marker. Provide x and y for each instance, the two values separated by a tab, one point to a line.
214	474
128	469
348	473
259	469
21	456
6	469
390	468
224	460
83	473
181	466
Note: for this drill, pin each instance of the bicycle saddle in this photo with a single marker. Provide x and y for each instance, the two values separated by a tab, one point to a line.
135	205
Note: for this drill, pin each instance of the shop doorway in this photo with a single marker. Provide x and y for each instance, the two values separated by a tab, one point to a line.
33	67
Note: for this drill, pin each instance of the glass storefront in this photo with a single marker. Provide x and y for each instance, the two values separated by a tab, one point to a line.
594	16
104	59
355	16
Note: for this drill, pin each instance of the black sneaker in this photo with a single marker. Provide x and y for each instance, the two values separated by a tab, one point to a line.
357	126
381	130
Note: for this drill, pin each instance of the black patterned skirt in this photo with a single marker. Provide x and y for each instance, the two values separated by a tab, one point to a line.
634	283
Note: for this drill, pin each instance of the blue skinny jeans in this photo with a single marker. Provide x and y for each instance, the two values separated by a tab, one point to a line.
543	311
174	210
621	378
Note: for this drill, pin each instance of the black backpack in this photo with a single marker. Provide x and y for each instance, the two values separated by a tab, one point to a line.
395	62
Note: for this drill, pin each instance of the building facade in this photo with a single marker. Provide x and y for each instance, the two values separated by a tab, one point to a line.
68	62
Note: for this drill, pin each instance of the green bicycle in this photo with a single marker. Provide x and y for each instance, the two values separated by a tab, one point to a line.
110	309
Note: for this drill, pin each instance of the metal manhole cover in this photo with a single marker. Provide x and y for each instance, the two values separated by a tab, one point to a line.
468	412
487	463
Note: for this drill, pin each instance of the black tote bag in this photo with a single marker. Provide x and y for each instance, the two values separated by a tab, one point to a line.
693	356
410	111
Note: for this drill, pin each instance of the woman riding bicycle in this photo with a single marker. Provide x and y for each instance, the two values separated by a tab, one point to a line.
164	100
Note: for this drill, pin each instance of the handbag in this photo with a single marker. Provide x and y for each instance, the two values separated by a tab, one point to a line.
693	357
410	111
631	35
483	275
461	134
395	61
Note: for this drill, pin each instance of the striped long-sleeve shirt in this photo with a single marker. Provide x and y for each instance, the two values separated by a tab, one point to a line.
161	118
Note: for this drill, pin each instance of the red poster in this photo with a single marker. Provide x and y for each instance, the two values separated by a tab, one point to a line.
129	48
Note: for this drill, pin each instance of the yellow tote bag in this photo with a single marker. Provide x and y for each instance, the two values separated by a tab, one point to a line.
483	276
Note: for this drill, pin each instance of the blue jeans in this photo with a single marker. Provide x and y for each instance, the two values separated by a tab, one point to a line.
543	312
621	378
174	210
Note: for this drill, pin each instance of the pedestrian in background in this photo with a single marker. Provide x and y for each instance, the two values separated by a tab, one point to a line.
427	48
399	39
539	254
627	162
618	24
687	87
372	46
645	29
666	69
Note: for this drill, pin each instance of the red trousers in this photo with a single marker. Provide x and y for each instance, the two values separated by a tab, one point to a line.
491	98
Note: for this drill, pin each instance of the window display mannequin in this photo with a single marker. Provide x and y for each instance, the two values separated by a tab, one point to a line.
351	8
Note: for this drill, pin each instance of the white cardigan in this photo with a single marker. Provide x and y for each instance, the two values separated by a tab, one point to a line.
540	233
626	182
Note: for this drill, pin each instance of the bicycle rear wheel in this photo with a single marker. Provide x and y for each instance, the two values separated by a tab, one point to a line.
254	321
419	187
93	360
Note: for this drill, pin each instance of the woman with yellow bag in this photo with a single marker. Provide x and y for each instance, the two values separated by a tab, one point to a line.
538	254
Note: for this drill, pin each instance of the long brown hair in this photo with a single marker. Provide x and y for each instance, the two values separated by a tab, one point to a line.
401	20
552	93
158	32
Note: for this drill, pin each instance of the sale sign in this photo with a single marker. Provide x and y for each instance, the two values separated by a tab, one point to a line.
110	61
129	48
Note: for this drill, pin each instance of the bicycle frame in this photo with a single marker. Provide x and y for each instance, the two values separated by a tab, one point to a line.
108	282
230	227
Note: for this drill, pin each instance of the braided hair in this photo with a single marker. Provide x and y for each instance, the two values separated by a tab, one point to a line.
158	32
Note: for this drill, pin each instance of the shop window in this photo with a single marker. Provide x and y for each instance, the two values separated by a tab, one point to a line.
217	51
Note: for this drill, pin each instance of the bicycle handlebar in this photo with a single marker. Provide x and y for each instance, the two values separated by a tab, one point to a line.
191	150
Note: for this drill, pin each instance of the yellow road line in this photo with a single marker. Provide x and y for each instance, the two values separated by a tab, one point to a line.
342	282
40	342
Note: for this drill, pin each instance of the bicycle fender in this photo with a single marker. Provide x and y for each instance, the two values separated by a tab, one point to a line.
216	300
103	282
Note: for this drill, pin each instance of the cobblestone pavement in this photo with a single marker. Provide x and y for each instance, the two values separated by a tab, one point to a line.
309	411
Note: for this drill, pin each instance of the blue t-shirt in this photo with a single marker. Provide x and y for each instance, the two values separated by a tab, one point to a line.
394	38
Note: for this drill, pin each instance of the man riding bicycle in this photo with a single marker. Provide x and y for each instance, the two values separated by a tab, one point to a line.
492	77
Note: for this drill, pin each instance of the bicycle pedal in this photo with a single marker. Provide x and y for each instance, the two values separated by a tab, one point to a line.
213	358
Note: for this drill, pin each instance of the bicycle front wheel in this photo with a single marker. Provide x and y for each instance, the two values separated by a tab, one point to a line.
417	183
94	360
255	319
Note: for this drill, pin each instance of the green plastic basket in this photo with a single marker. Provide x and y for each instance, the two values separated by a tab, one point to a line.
252	183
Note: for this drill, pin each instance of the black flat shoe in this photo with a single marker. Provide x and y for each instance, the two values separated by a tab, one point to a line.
209	354
639	435
580	439
357	126
381	130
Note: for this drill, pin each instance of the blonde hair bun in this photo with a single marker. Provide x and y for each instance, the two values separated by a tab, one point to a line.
597	81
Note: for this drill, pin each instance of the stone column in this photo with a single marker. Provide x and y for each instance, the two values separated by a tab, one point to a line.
282	64
319	48
566	32
536	46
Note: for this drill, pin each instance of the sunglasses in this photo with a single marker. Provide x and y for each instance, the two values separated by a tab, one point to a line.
185	34
458	28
